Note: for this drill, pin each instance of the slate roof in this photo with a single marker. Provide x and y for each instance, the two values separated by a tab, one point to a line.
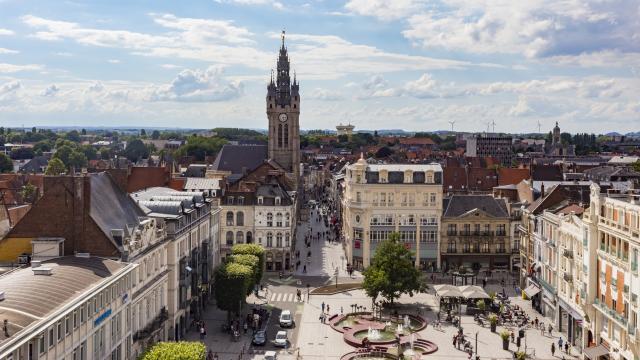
202	184
546	173
111	208
270	191
35	165
235	158
458	205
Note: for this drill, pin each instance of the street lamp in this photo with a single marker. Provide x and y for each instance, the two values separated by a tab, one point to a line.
308	292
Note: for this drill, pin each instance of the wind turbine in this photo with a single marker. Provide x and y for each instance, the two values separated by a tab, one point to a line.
488	124
493	123
451	123
539	126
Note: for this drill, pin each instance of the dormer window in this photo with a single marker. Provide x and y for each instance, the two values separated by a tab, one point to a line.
230	200
408	177
278	200
429	177
240	200
260	200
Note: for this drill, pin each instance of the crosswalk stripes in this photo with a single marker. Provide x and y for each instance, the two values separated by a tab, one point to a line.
285	297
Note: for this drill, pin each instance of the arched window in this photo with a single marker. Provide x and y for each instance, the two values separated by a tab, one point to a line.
229	237
279	219
287	220
229	218
239	218
287	240
269	219
239	237
249	237
286	135
269	239
279	135
279	240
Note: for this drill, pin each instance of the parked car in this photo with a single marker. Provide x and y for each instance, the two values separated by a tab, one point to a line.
270	355
259	338
281	339
286	320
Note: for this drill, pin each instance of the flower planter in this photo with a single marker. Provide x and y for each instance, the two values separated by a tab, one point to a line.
493	327
505	344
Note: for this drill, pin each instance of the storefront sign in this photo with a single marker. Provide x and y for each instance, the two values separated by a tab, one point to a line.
102	317
356	244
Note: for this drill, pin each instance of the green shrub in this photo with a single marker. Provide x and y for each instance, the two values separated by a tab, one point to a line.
176	351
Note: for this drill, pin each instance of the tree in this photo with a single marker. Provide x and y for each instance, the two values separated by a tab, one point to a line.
232	282
392	272
55	167
22	153
28	192
73	136
83	131
77	160
6	165
636	166
251	249
199	147
155	135
383	152
143	132
64	153
105	153
89	152
251	261
136	150
42	146
183	350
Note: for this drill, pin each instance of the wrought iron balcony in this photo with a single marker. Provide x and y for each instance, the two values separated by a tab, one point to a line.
156	324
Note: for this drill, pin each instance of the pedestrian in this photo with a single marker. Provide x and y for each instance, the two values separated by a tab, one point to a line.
341	311
328	311
455	337
322	307
550	330
513	337
246	327
566	347
560	342
202	333
553	349
215	356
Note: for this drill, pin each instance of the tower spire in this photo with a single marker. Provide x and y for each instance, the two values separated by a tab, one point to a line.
282	37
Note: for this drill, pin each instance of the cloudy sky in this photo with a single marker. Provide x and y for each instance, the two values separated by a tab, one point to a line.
379	64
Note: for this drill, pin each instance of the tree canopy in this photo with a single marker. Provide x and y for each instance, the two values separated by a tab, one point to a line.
6	165
199	147
136	150
183	350
392	272
232	281
55	167
251	249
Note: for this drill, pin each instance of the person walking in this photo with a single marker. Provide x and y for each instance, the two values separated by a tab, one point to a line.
322	307
566	347
553	349
560	343
203	332
328	311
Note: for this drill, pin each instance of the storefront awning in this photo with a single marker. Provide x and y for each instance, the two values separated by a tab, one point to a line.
531	291
595	352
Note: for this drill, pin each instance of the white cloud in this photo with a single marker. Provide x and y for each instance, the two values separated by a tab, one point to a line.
63	53
11	68
522	108
113	61
384	9
8	51
6	32
536	28
198	86
8	90
276	4
323	94
170	66
51	90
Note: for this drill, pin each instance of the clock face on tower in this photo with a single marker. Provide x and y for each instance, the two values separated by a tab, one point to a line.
282	117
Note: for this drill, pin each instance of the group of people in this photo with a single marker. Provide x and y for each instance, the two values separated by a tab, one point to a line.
560	346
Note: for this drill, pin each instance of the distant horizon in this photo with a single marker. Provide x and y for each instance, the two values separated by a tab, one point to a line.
264	130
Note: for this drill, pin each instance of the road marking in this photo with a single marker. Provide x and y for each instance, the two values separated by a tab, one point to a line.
273	297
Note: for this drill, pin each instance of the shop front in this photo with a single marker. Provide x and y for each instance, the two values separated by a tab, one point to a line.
570	323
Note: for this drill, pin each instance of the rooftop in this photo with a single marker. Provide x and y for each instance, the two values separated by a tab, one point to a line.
29	298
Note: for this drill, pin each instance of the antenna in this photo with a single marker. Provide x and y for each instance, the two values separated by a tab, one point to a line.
539	126
451	123
493	123
488	124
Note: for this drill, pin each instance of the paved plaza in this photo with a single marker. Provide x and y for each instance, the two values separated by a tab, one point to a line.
310	339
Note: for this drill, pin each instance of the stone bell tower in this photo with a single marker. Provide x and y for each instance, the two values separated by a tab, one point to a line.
283	112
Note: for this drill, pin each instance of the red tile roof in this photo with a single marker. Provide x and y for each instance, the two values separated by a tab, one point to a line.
509	176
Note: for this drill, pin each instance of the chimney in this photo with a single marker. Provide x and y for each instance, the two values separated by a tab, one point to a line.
542	190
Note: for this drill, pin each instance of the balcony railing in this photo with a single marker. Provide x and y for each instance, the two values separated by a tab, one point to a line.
567	277
153	326
568	253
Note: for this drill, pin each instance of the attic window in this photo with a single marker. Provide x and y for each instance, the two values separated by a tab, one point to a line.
278	200
260	200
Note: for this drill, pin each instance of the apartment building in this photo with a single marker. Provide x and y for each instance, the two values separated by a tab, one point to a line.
475	233
381	199
260	207
614	224
491	145
190	261
69	307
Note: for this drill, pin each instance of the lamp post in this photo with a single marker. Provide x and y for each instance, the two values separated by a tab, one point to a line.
477	357
308	292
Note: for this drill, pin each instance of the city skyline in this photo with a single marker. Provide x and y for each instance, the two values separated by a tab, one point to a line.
412	64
